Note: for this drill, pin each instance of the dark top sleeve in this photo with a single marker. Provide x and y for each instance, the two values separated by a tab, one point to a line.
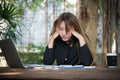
85	55
48	58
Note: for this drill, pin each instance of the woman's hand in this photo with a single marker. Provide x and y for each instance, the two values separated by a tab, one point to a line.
76	34
52	38
79	37
55	35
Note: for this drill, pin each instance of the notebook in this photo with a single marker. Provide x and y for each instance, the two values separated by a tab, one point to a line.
14	61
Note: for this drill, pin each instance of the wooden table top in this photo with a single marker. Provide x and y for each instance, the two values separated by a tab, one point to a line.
97	73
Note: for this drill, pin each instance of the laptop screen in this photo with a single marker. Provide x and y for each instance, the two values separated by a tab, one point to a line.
10	53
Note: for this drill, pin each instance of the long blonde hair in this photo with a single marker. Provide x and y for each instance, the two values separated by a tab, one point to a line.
71	20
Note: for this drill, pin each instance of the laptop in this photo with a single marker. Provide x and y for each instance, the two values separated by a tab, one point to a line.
14	61
12	56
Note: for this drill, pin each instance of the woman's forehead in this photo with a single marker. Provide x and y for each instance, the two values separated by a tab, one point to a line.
64	26
64	23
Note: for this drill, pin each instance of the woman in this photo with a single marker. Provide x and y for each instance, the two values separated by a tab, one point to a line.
67	44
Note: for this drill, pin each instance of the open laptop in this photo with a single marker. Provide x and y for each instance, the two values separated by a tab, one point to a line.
14	61
11	54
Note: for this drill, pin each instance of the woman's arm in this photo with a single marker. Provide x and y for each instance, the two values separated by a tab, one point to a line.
49	57
52	38
79	37
85	55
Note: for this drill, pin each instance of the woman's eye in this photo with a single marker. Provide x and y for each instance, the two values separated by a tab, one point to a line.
60	29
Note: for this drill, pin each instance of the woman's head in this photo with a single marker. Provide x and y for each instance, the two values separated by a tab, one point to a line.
64	24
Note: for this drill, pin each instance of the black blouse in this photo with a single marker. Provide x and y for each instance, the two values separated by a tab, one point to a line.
65	54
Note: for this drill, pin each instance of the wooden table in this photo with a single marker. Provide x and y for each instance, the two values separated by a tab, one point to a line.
97	73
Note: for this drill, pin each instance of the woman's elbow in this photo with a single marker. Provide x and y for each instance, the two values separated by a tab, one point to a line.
88	62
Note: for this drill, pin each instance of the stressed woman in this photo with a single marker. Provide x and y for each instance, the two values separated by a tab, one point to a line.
67	44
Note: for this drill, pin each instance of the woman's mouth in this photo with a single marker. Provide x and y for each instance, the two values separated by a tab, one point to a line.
64	38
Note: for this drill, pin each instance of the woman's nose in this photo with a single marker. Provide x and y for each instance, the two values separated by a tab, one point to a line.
64	32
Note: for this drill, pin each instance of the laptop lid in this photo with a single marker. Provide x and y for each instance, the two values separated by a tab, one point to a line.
10	53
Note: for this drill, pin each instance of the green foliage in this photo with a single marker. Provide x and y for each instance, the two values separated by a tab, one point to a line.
33	4
11	12
59	0
33	48
10	17
31	56
69	5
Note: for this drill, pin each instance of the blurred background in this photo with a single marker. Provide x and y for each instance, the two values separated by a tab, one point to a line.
29	22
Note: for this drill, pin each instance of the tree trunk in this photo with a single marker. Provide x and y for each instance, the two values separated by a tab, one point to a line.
110	27
88	17
118	33
105	29
46	27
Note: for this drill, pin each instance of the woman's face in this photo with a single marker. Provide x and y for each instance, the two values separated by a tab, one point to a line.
65	36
